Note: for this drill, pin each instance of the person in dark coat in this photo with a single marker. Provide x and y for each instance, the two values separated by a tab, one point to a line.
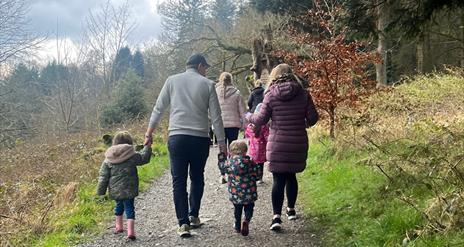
291	110
118	175
256	96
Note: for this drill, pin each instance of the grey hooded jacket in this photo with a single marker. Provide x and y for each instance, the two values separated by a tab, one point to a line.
118	172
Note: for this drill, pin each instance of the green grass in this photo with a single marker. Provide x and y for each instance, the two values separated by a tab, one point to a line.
417	129
435	87
354	206
88	216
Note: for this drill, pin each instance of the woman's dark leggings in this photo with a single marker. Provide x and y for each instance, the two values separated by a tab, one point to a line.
231	135
284	182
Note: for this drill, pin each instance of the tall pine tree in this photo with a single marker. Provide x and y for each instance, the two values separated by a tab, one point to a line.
181	19
224	12
138	64
282	7
122	63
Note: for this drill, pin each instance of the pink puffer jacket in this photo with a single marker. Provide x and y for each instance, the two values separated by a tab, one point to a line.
258	141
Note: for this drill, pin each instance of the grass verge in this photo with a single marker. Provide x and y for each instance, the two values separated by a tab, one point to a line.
355	205
87	217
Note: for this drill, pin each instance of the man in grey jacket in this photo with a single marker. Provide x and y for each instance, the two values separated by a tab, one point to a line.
191	97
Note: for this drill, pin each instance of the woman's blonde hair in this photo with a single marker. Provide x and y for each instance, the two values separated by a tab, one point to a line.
122	137
225	79
238	147
279	71
282	70
258	83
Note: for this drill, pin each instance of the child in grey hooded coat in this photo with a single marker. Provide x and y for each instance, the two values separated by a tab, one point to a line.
118	174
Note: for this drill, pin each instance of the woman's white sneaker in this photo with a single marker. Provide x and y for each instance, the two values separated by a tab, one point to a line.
276	224
291	215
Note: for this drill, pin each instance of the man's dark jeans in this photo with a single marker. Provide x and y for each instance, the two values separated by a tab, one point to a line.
187	151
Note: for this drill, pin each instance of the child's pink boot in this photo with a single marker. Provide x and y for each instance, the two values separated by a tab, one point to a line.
130	229
245	228
118	224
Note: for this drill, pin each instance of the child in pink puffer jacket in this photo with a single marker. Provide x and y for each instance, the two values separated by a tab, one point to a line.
257	140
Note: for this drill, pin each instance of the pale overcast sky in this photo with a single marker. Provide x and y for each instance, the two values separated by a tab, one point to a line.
71	14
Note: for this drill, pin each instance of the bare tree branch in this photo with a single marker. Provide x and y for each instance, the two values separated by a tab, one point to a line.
107	32
16	41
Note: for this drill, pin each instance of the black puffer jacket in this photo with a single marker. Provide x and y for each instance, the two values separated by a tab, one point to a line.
256	97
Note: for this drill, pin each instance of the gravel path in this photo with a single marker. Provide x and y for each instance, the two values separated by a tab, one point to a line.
156	221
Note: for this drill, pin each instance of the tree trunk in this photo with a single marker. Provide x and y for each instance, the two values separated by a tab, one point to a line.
223	61
422	51
462	38
420	54
381	68
261	53
256	54
332	122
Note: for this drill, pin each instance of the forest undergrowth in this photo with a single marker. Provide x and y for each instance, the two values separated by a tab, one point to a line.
395	174
48	185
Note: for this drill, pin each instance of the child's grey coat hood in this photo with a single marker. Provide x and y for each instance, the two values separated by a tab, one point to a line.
119	153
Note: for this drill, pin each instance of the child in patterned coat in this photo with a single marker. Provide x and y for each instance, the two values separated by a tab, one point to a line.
241	172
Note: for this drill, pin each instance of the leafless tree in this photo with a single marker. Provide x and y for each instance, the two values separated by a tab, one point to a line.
16	40
62	103
107	31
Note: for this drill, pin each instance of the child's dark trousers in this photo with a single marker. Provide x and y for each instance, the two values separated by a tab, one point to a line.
248	208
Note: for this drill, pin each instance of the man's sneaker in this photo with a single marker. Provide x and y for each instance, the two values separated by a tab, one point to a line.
245	229
291	214
276	224
223	179
259	181
195	222
184	231
237	227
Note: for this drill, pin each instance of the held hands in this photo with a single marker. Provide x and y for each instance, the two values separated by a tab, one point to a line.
223	148
248	115
148	140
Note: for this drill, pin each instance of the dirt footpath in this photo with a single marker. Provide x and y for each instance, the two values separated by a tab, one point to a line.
156	219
